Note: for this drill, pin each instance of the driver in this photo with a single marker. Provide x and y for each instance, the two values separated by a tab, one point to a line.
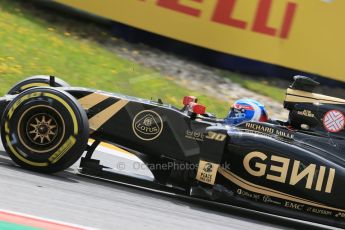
245	110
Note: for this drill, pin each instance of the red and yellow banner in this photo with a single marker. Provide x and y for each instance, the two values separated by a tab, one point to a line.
307	35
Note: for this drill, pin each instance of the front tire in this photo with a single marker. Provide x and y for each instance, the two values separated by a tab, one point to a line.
44	130
35	81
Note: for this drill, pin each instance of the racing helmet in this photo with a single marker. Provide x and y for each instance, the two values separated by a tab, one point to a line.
246	110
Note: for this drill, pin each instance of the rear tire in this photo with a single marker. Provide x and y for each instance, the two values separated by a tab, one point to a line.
36	81
44	130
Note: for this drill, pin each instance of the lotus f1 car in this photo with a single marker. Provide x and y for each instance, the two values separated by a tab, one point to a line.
295	168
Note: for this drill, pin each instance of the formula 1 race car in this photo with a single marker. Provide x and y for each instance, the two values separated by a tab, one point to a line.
294	168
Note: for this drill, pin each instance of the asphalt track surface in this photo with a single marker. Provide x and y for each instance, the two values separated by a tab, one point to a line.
96	204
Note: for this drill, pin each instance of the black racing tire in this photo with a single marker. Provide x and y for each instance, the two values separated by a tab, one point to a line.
35	81
44	130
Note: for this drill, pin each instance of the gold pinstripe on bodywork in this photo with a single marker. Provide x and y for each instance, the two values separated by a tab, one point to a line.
293	95
91	100
101	118
270	192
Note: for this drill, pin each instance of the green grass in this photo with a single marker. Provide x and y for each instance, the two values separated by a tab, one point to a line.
29	45
259	85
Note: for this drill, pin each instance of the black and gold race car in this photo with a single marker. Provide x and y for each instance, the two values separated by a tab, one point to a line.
294	168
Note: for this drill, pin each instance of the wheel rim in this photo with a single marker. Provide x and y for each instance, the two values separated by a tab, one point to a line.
42	129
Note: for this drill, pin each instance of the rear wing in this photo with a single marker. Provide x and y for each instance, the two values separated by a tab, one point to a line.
302	91
314	112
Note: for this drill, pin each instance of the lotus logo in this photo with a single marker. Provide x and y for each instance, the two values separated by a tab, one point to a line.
147	125
148	120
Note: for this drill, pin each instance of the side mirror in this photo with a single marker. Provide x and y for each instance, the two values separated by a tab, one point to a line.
189	99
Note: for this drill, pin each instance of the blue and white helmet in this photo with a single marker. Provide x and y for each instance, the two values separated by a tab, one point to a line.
246	110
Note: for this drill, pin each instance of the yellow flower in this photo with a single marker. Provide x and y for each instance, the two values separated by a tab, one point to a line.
51	29
67	34
56	41
16	71
3	68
